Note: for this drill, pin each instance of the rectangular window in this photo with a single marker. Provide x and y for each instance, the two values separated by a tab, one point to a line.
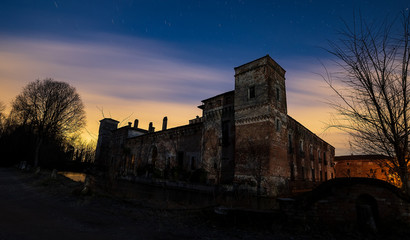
193	163
301	149
277	94
313	175
319	156
180	159
292	172
251	92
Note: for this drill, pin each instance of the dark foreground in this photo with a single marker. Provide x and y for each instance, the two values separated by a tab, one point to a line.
38	207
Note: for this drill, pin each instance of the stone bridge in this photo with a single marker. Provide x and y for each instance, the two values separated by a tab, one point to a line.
350	203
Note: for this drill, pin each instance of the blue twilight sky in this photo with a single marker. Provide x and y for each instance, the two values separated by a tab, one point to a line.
147	59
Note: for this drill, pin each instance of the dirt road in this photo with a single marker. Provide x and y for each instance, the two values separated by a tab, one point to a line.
32	208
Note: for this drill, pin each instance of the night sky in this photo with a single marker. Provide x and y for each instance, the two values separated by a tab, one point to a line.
150	59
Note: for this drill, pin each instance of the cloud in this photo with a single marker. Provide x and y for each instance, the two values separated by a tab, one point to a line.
132	78
307	97
121	75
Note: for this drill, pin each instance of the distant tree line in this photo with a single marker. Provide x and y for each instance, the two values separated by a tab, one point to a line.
43	127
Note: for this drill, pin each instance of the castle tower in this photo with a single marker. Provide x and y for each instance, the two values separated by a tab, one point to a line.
260	125
107	126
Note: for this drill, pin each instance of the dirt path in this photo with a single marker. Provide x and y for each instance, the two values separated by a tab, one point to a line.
31	208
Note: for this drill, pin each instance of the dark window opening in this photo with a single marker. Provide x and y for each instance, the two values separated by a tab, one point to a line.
251	92
301	149
193	163
292	172
290	147
180	159
320	157
313	175
277	94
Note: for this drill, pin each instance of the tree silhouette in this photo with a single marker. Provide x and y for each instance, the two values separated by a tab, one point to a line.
373	88
2	118
50	109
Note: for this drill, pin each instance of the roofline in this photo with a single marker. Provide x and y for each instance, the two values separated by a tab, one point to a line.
110	119
168	129
362	157
311	131
232	91
266	56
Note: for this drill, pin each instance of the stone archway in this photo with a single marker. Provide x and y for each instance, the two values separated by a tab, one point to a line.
367	213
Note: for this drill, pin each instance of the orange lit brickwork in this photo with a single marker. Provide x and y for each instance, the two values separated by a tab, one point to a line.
367	166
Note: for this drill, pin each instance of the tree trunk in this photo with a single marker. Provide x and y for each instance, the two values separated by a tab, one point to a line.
404	180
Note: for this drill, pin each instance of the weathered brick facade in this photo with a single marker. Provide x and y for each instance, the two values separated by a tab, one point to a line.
366	166
244	138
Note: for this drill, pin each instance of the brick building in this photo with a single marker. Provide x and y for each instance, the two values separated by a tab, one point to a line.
244	137
365	166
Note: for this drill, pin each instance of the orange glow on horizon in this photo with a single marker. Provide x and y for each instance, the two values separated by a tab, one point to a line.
150	88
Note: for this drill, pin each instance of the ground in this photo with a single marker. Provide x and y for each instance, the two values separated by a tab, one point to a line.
38	207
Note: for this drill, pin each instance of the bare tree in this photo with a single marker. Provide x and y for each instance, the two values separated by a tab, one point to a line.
373	89
2	117
50	109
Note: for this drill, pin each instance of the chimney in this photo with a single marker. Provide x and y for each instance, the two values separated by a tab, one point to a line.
136	123
129	124
151	128
164	123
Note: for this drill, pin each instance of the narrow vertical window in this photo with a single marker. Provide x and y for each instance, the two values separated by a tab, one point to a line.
251	92
319	157
277	94
292	172
278	125
180	159
193	163
313	175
